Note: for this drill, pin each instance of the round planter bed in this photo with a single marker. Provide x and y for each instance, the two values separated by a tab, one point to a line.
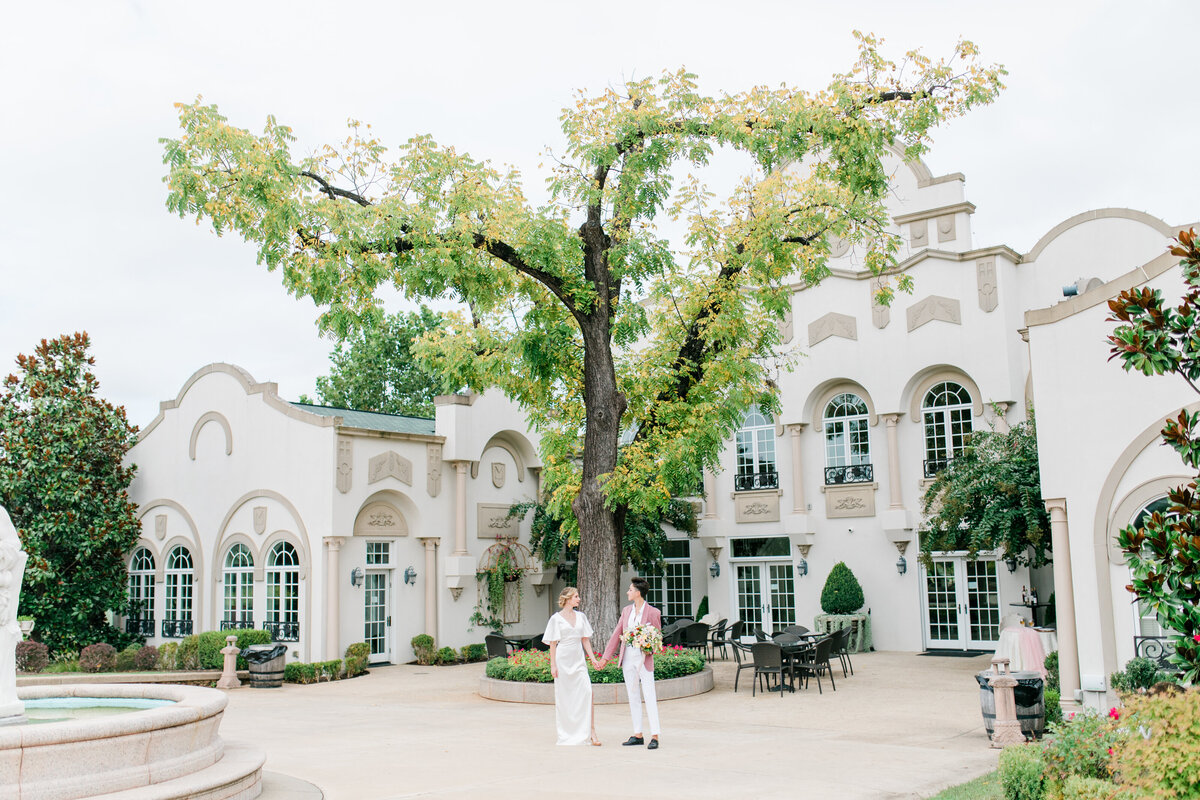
602	693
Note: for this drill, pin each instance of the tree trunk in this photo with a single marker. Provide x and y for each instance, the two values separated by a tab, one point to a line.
600	529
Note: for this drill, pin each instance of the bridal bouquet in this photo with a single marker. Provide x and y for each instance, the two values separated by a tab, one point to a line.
646	638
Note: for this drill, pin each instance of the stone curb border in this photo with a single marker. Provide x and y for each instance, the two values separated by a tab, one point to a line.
175	677
602	693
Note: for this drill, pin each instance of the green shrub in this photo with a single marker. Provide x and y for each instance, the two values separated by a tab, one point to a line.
447	656
64	662
842	593
98	657
1053	707
330	670
167	654
32	656
298	672
1079	788
145	658
1021	770
188	655
1164	760
474	652
702	609
126	657
212	642
422	645
1051	665
358	656
534	666
1139	674
1081	746
497	668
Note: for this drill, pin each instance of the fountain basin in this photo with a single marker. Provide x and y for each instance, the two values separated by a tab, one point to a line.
98	755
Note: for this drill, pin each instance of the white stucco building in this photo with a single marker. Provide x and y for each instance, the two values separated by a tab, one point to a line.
276	504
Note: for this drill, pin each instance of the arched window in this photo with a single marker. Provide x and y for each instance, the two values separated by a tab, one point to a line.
756	453
283	593
847	445
947	410
140	621
180	577
1149	638
238	580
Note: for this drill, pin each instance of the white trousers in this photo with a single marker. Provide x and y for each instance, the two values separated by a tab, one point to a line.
639	683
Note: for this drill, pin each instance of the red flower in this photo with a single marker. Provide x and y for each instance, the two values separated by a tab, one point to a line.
1110	751
1196	638
1114	713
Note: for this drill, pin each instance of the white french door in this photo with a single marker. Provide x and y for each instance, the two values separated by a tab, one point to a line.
377	615
766	594
961	603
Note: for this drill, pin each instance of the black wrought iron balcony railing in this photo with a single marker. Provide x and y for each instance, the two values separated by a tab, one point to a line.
935	465
237	623
283	631
176	628
854	473
1156	648
748	482
140	626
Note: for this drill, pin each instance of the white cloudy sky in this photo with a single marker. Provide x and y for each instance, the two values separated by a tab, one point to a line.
1100	111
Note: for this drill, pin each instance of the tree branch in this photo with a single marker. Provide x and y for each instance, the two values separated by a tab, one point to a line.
334	192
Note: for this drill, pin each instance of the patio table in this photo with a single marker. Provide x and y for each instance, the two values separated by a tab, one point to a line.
521	641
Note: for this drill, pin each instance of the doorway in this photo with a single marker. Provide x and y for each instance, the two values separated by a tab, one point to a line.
961	603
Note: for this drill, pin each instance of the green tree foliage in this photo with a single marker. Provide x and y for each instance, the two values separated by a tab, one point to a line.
842	593
375	369
1164	552
64	484
580	309
989	497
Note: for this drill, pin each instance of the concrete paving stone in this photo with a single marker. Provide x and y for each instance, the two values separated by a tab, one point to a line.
902	727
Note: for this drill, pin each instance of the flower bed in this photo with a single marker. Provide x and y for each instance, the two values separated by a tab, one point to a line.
533	666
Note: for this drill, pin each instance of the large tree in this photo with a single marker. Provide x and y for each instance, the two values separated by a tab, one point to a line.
579	308
64	483
375	369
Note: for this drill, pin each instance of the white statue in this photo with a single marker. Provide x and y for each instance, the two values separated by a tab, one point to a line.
12	570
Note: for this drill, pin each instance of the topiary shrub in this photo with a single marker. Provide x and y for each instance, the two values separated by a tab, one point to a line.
146	658
188	655
1021	772
702	609
447	656
1138	676
1051	665
357	657
98	657
1078	787
32	656
842	593
1053	707
167	656
126	657
422	645
474	652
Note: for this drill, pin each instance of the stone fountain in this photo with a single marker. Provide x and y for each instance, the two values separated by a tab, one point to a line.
12	570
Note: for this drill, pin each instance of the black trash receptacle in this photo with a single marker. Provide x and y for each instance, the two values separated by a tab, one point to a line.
266	665
1030	697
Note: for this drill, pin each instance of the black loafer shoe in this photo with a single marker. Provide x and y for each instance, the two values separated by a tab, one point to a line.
633	740
653	745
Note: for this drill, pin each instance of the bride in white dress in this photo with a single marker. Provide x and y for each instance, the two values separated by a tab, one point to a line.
569	635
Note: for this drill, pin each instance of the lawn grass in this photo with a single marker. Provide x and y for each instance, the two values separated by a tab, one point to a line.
986	787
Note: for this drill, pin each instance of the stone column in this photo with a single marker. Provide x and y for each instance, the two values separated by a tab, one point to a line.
460	508
430	586
799	503
710	495
1064	601
896	499
333	549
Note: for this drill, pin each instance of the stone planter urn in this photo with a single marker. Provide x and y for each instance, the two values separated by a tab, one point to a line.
26	627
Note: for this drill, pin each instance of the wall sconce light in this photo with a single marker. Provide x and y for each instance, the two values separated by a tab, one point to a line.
410	576
802	567
902	566
1011	562
356	577
714	569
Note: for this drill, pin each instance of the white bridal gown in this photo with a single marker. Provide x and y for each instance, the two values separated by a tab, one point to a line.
573	686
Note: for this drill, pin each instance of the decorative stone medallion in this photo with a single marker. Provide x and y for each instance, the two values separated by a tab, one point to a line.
498	474
260	519
756	506
160	526
985	277
390	465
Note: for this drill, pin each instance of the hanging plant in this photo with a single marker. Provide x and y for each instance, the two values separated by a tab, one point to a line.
504	563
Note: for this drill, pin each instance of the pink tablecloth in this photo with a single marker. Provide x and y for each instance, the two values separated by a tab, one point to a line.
1024	649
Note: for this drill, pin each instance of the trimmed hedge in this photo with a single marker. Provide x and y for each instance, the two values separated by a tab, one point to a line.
842	593
446	656
32	656
358	656
98	657
203	650
1021	770
423	647
533	666
146	658
474	652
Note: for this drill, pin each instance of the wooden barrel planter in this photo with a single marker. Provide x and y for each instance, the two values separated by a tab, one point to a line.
1030	697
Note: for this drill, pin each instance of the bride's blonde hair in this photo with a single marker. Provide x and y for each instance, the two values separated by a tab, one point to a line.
565	595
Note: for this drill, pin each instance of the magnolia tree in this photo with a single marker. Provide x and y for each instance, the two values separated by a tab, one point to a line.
1164	553
578	307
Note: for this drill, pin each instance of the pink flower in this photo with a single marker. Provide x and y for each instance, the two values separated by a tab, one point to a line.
1110	751
1196	638
1114	713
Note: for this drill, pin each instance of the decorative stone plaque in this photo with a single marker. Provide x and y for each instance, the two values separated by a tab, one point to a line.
390	465
495	523
260	519
832	324
985	277
433	469
881	315
160	526
945	228
380	519
345	464
931	308
756	506
498	474
850	500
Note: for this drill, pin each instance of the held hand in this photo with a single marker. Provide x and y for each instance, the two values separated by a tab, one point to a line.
553	671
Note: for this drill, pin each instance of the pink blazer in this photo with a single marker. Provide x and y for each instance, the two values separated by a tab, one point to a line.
650	616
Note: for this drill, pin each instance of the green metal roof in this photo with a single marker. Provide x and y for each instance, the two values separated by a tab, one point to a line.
373	421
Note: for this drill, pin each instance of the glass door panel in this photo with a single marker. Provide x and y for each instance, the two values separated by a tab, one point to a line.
377	621
983	604
941	601
750	600
783	597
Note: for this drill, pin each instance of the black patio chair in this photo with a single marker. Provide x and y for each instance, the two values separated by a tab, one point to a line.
673	633
841	649
816	661
761	635
716	638
768	661
536	643
783	637
695	637
735	631
496	646
744	659
799	630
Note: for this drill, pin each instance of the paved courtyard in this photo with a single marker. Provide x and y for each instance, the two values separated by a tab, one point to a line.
904	726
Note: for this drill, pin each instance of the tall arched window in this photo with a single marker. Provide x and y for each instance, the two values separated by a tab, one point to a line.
1150	640
238	580
756	453
140	621
847	445
947	410
283	593
180	577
